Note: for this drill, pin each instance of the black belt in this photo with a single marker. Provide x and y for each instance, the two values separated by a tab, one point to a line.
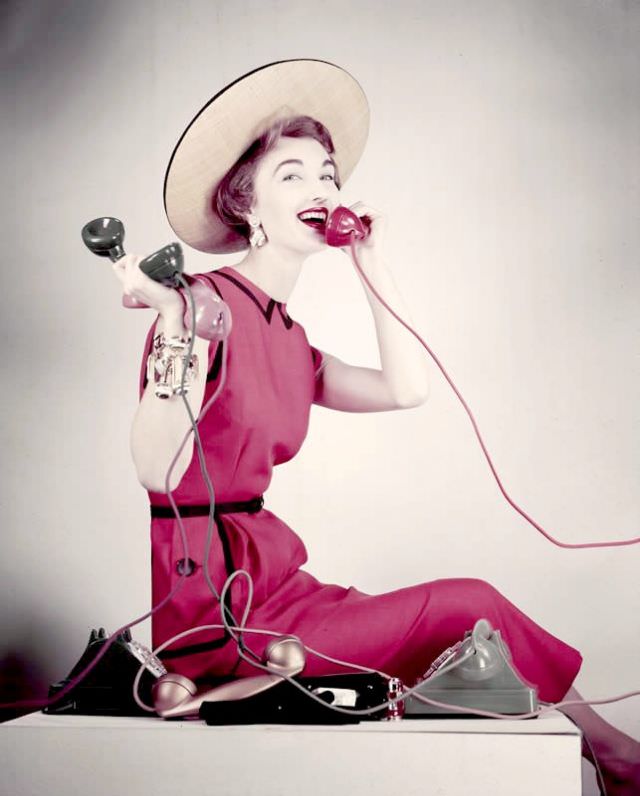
250	506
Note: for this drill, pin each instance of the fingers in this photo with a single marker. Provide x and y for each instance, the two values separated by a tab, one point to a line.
377	223
361	209
140	286
126	270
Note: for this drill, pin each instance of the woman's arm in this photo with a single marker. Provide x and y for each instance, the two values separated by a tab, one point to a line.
403	379
160	424
401	383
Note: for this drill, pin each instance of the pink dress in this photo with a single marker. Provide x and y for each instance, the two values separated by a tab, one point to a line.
260	420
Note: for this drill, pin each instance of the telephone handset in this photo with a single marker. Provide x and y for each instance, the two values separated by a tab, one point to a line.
343	225
104	236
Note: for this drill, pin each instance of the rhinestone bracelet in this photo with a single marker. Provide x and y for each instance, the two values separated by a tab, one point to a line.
166	364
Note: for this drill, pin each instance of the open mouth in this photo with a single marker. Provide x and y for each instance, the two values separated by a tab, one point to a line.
315	217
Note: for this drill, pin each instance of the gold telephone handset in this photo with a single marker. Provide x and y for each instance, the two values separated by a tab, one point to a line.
175	696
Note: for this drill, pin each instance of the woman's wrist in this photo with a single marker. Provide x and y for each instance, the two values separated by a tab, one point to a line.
172	325
172	316
373	265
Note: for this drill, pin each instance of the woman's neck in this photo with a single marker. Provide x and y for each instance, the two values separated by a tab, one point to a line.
275	272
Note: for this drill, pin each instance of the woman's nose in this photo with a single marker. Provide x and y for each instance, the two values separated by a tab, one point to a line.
320	199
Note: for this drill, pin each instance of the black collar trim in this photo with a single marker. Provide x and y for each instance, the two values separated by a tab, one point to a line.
266	313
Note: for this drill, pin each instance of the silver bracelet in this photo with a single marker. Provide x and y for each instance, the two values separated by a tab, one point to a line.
167	362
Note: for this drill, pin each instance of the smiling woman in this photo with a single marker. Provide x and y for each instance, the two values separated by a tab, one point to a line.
235	193
293	189
267	188
303	185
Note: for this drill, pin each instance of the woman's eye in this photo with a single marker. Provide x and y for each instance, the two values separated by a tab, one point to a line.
297	176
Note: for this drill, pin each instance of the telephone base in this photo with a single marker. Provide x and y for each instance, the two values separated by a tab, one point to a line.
505	701
286	704
478	673
108	689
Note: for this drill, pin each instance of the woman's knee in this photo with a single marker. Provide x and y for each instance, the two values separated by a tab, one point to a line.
472	597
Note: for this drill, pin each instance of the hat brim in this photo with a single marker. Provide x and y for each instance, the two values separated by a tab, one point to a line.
235	117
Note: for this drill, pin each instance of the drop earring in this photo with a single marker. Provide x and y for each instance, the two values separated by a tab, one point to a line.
257	238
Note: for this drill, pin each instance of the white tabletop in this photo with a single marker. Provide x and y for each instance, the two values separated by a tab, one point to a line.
550	723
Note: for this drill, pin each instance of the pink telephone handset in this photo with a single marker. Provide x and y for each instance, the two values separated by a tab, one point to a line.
213	317
343	225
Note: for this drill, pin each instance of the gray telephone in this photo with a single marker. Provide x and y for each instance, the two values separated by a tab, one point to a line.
481	676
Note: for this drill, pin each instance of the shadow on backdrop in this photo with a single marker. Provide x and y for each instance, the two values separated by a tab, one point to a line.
36	35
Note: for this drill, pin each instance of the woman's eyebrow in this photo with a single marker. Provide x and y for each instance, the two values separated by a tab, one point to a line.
328	162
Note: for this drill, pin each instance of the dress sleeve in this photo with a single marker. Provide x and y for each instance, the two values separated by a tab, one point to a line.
214	353
216	348
319	361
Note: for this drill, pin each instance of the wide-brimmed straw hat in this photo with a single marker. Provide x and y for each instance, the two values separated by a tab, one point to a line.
235	117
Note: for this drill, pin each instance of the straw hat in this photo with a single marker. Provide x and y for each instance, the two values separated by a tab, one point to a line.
232	120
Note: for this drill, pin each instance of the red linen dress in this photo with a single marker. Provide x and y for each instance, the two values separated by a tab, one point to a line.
258	421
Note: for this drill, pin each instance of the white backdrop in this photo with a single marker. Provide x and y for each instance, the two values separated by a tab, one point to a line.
504	151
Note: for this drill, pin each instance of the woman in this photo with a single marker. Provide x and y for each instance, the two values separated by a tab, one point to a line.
260	418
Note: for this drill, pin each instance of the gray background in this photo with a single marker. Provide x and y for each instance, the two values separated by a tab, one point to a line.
504	151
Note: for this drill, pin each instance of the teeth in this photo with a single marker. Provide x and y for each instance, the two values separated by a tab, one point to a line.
312	215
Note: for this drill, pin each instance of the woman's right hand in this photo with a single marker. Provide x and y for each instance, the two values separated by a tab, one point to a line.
136	283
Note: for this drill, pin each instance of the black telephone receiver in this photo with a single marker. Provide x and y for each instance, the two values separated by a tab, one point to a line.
343	224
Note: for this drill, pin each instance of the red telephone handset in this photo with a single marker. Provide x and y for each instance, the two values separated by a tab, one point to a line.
342	225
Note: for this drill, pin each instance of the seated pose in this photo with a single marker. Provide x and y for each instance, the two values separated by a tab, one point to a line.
272	145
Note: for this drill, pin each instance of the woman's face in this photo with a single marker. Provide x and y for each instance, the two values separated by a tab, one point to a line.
296	175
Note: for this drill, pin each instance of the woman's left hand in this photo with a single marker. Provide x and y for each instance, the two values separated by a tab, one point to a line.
372	244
